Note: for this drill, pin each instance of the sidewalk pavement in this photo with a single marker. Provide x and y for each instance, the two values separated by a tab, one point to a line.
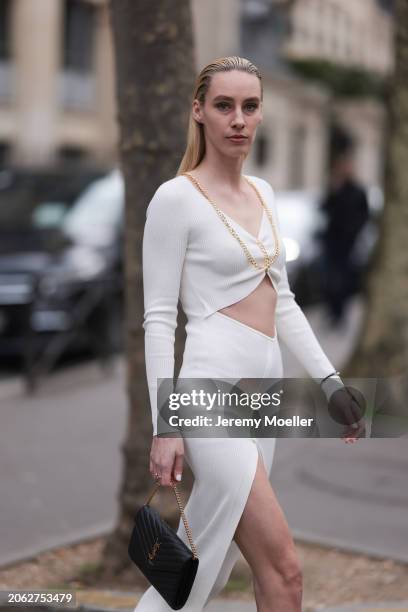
385	606
98	600
102	601
107	601
94	600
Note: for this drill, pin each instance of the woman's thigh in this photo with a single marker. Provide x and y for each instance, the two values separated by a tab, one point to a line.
263	533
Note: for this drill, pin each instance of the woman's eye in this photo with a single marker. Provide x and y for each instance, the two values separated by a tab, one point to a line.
252	106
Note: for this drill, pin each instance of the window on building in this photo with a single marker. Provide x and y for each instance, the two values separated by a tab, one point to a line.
297	157
78	35
348	38
4	154
72	154
262	149
76	87
5	30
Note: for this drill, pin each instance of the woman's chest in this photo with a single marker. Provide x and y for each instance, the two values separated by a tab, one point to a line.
221	243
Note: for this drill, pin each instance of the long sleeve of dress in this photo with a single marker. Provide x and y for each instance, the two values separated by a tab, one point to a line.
294	329
164	245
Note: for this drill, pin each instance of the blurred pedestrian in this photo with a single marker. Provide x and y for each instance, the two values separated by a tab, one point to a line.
346	209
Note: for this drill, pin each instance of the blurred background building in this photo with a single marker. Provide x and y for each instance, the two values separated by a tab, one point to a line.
57	100
56	83
343	31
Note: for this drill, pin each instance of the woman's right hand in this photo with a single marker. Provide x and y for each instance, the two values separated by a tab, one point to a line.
166	459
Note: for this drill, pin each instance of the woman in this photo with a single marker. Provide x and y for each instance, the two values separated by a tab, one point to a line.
212	238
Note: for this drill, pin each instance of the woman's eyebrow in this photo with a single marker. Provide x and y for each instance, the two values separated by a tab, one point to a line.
222	97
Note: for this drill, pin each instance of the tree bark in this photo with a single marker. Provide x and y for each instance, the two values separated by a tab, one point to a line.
382	349
153	50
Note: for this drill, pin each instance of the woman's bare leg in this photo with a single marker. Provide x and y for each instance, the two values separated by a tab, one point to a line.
264	539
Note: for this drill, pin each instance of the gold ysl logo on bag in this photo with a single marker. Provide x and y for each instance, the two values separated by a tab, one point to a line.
154	550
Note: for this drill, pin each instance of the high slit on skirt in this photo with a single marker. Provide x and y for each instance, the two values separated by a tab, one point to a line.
219	346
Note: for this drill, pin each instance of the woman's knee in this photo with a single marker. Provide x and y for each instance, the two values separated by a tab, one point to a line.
286	567
284	582
290	571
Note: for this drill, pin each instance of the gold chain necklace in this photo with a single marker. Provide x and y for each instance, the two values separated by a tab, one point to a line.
268	259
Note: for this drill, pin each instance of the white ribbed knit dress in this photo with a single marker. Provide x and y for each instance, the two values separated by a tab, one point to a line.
189	254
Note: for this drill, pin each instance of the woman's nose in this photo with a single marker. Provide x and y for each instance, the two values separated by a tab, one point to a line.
238	120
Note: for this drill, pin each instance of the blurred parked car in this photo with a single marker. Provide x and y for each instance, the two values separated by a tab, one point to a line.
60	259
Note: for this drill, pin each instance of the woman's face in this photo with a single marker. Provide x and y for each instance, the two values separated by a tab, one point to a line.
232	107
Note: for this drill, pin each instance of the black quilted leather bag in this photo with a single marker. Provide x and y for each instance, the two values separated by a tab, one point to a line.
159	553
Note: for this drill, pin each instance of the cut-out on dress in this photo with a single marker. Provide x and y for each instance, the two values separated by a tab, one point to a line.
189	254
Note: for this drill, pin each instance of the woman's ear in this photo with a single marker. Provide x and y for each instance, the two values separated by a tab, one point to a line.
196	111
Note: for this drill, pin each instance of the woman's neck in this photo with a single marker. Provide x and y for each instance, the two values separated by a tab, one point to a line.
228	175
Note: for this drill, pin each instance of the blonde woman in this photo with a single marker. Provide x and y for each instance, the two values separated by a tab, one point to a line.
212	239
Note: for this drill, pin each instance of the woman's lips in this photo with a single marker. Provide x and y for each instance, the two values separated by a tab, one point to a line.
238	138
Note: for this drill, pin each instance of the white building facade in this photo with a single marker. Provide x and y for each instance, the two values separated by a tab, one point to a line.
57	98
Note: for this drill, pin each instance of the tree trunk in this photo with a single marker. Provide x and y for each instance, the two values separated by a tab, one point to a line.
154	82
382	350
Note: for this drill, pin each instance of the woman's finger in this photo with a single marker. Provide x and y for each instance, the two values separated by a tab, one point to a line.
178	467
352	433
347	411
356	409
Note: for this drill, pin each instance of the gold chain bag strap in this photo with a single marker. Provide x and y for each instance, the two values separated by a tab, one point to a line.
160	554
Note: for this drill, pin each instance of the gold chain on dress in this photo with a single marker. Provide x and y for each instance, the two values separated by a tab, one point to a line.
268	259
186	525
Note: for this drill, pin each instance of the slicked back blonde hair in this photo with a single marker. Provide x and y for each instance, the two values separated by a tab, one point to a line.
195	148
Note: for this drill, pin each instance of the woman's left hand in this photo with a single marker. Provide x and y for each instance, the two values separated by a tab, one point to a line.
355	428
344	405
